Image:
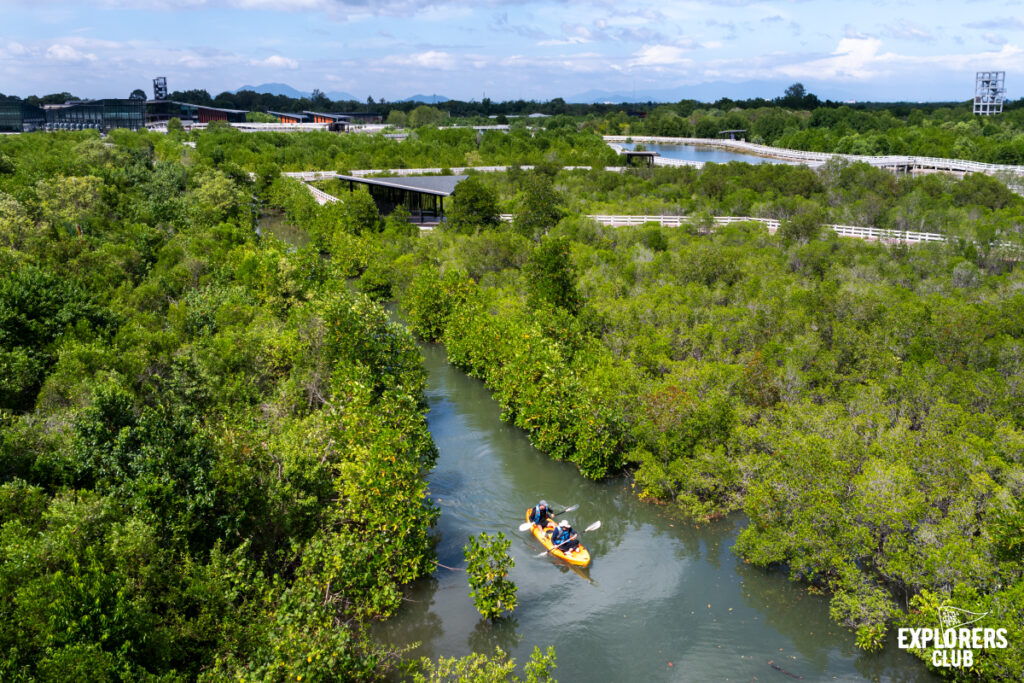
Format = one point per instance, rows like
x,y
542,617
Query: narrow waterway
x,y
703,153
661,601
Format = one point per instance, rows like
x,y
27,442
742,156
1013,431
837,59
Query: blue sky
x,y
531,50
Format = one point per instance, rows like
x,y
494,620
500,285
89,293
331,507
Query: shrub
x,y
488,563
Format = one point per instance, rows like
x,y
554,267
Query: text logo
x,y
953,645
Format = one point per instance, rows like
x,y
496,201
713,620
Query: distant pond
x,y
703,153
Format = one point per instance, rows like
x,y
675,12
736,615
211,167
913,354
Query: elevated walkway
x,y
904,164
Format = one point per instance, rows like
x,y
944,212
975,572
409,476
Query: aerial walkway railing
x,y
907,162
772,224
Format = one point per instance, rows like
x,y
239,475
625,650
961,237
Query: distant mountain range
x,y
335,95
768,89
289,91
702,92
426,99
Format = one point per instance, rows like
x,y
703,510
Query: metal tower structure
x,y
989,92
160,88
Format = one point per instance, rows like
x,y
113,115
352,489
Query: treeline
x,y
859,402
573,140
427,147
212,454
795,98
980,214
978,209
797,120
949,132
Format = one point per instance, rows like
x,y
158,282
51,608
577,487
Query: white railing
x,y
309,176
771,224
321,196
891,161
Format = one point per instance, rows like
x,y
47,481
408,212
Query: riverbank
x,y
664,600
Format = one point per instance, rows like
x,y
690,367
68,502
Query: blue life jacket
x,y
561,535
538,517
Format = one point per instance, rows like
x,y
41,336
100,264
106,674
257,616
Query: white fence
x,y
772,224
321,196
865,233
801,156
309,176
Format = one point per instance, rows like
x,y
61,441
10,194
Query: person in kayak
x,y
541,515
564,537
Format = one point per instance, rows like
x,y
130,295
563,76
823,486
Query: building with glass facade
x,y
96,114
17,117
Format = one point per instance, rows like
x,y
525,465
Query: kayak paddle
x,y
525,526
596,525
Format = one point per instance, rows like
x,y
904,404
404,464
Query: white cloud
x,y
660,55
65,53
204,60
549,66
431,59
993,38
860,59
15,48
277,62
273,5
335,9
911,31
854,58
87,43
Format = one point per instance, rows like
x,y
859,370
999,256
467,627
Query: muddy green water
x,y
273,222
661,601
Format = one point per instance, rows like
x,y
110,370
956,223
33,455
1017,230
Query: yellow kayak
x,y
579,556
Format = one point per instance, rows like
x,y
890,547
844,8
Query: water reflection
x,y
487,635
703,153
419,622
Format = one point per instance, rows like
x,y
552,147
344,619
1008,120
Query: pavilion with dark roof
x,y
643,156
422,196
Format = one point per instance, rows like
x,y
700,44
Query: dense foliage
x,y
427,147
979,209
860,402
191,410
212,455
487,567
479,668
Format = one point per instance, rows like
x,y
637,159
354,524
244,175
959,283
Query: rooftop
x,y
336,117
438,185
